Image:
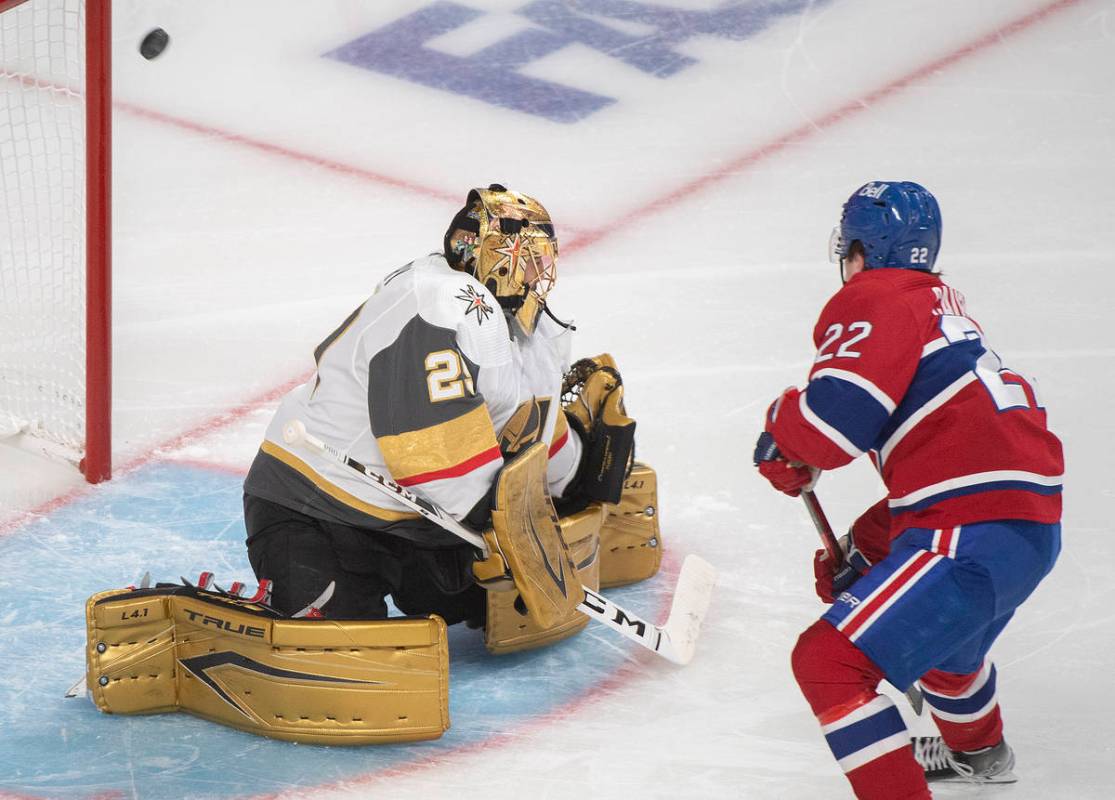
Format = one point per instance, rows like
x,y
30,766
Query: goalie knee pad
x,y
239,664
630,540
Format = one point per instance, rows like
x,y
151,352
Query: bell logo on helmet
x,y
874,190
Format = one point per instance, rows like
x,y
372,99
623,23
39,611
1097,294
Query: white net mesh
x,y
42,222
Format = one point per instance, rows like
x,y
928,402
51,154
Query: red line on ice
x,y
211,425
220,421
287,152
752,157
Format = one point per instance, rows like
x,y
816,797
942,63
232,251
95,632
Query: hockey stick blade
x,y
676,639
691,601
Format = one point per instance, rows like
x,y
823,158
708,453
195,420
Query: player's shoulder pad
x,y
457,301
866,297
449,299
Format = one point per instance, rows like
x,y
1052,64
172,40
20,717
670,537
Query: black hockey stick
x,y
676,640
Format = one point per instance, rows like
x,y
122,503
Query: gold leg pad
x,y
315,681
630,540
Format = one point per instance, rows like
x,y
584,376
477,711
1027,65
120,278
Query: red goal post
x,y
56,249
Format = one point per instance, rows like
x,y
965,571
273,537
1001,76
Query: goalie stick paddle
x,y
832,547
676,640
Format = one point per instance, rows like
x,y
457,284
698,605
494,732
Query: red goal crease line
x,y
734,167
270,148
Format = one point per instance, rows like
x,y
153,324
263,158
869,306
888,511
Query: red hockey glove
x,y
783,476
831,581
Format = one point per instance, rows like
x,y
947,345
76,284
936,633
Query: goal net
x,y
55,228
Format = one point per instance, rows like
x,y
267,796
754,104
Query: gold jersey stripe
x,y
439,447
334,491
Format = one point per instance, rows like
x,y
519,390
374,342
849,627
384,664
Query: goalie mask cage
x,y
55,229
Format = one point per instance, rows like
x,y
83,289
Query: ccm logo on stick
x,y
600,605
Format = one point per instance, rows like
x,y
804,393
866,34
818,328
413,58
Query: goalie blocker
x,y
598,545
608,545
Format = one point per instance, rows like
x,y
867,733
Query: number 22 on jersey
x,y
857,331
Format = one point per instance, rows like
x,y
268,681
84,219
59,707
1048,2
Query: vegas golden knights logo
x,y
525,426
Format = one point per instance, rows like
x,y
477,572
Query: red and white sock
x,y
965,707
863,728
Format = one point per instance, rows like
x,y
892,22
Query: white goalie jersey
x,y
424,383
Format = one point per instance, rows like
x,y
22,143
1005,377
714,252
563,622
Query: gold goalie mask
x,y
506,241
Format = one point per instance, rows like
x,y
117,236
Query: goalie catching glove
x,y
592,397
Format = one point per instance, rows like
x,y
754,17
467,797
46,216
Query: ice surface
x,y
262,189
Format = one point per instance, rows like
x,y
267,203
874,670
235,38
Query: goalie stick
x,y
832,547
676,640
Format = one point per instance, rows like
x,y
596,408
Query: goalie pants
x,y
929,610
302,554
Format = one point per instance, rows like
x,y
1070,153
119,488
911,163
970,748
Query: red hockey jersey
x,y
903,372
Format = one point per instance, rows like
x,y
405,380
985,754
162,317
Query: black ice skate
x,y
989,765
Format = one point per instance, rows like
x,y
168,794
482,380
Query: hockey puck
x,y
154,43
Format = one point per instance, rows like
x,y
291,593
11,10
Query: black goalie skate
x,y
989,765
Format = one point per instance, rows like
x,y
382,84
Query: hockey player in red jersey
x,y
971,521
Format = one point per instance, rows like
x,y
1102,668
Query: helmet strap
x,y
569,326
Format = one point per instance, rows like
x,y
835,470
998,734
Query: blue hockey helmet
x,y
898,222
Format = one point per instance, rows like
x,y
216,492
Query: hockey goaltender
x,y
445,422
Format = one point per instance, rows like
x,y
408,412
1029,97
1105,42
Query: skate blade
x,y
1003,777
